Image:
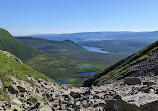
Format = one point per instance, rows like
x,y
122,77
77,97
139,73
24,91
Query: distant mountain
x,y
51,46
14,46
118,46
85,36
143,63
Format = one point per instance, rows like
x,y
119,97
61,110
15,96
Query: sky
x,y
24,17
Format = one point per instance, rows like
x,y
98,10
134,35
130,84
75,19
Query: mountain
x,y
14,46
144,62
86,36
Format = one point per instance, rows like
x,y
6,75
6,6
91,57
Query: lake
x,y
84,66
95,49
63,81
85,73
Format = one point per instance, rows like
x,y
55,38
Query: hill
x,y
12,45
140,64
66,46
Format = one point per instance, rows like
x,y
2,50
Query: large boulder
x,y
75,94
138,102
132,81
109,105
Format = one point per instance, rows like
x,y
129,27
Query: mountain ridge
x,y
85,36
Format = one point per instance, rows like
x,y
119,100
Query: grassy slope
x,y
62,67
10,67
12,45
119,69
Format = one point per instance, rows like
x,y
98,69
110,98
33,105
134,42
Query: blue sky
x,y
23,17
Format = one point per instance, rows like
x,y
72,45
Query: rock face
x,y
132,81
138,102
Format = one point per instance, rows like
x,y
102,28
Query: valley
x,y
61,60
54,79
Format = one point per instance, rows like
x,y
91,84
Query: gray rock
x,y
138,102
45,109
16,102
1,85
37,106
132,81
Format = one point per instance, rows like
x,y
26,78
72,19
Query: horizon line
x,y
85,32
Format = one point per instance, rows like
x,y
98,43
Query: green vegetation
x,y
120,69
71,80
12,45
62,67
52,65
10,67
3,95
66,46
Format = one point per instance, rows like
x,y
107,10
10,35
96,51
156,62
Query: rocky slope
x,y
121,95
143,63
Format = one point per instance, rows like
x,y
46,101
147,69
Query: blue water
x,y
95,49
86,73
63,81
84,66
